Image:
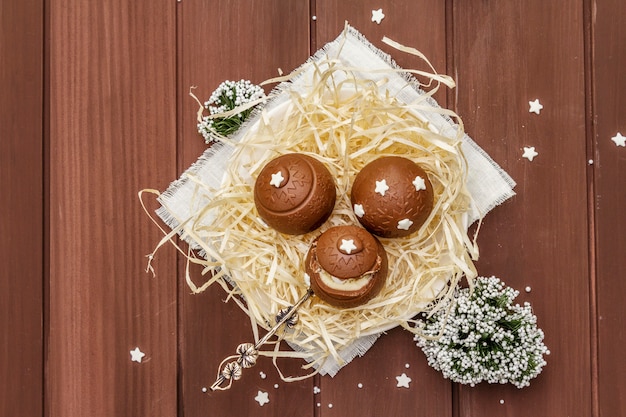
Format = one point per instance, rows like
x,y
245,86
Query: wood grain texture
x,y
418,24
120,119
229,41
429,393
507,54
609,105
112,133
21,208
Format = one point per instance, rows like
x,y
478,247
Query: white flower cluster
x,y
485,337
228,96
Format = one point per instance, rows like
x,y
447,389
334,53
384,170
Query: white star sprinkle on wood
x,y
419,183
136,355
358,210
404,224
619,139
381,187
535,106
262,398
529,153
277,179
377,16
403,381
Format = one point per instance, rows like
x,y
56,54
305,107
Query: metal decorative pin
x,y
247,353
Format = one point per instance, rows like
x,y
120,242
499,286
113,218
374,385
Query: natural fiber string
x,y
329,120
326,110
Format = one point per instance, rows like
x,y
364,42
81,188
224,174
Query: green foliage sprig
x,y
228,96
484,337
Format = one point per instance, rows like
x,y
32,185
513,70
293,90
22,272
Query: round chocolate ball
x,y
347,266
294,193
392,196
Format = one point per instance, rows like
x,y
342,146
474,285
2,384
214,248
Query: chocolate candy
x,y
392,196
347,266
294,193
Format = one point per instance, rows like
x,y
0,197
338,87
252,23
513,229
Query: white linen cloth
x,y
487,183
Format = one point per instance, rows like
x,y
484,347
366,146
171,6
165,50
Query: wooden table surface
x,y
95,107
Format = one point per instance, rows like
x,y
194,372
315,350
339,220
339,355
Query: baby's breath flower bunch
x,y
485,337
228,96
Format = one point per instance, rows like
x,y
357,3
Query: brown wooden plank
x,y
609,104
506,54
420,25
230,41
112,133
21,208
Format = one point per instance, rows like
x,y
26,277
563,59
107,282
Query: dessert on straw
x,y
345,121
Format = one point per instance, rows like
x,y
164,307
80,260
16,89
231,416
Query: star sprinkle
x,y
529,153
359,210
419,183
403,381
316,390
277,179
136,355
535,106
347,246
262,398
381,187
619,139
377,16
404,224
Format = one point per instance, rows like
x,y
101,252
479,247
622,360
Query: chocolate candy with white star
x,y
347,266
294,193
392,196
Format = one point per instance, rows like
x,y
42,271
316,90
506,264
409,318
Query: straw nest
x,y
345,121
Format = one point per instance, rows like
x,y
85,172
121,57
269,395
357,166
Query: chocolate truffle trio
x,y
346,266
